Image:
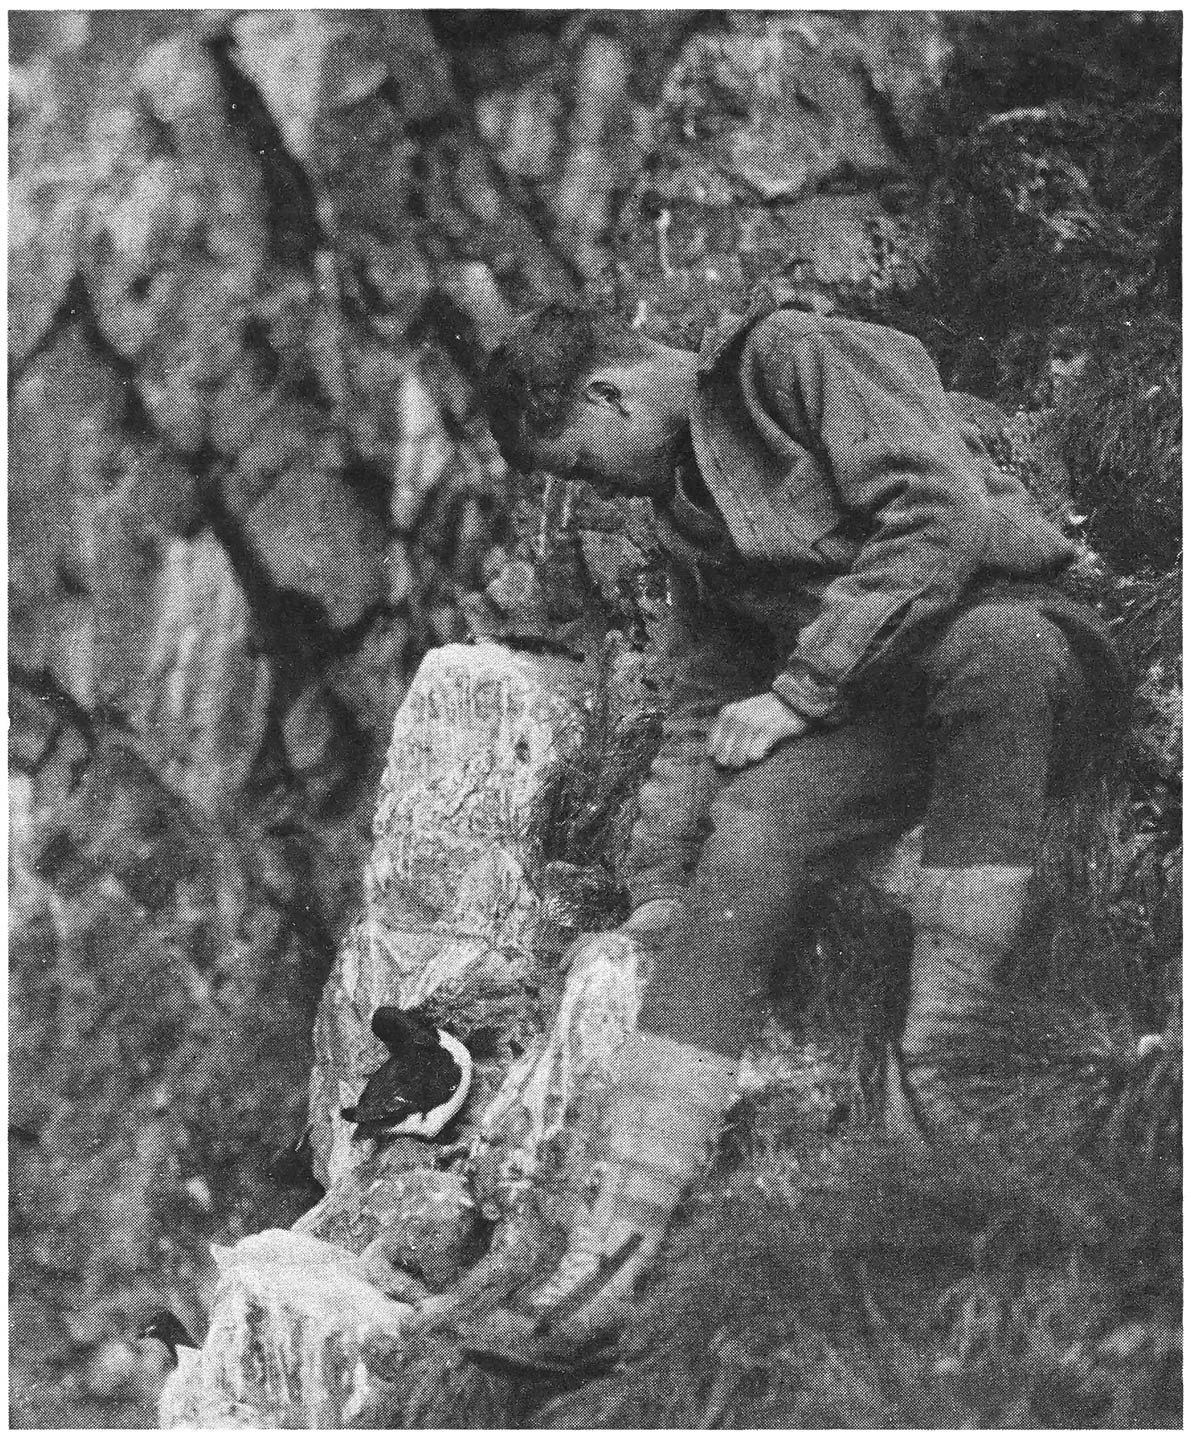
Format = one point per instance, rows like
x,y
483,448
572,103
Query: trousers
x,y
969,737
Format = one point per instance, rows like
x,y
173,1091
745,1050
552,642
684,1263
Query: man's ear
x,y
599,391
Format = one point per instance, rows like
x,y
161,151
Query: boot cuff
x,y
983,904
656,1064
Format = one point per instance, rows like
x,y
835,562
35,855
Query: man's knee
x,y
759,811
1004,657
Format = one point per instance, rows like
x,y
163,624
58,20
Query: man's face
x,y
624,435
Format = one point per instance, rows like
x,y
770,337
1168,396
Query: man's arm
x,y
669,829
870,403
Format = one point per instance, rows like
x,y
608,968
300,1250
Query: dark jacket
x,y
847,488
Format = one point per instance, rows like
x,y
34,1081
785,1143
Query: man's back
x,y
850,489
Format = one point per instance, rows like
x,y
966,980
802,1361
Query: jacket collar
x,y
731,325
718,337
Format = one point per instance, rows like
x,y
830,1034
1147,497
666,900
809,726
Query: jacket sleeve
x,y
869,403
670,828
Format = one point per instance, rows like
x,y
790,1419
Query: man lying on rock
x,y
870,638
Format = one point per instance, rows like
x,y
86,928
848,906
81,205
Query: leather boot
x,y
660,1126
966,922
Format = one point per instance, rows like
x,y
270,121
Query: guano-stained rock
x,y
292,1320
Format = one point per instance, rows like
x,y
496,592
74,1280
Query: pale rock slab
x,y
293,1318
531,1114
202,682
451,908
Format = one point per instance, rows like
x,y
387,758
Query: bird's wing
x,y
431,1076
385,1094
450,1090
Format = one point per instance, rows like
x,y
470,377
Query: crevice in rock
x,y
295,230
58,326
892,131
516,195
135,419
266,360
77,311
443,322
294,628
369,483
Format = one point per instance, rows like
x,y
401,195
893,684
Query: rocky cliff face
x,y
255,262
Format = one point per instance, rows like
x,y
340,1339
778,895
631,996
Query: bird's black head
x,y
167,1328
403,1029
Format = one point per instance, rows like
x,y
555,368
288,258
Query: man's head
x,y
577,391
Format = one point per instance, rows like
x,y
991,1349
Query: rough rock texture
x,y
785,156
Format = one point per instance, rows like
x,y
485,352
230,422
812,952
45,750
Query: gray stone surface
x,y
421,1221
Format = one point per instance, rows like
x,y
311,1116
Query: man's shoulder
x,y
788,326
766,343
794,347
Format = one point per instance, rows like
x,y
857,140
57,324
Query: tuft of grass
x,y
860,1287
1121,433
587,814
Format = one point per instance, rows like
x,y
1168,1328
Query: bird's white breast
x,y
427,1126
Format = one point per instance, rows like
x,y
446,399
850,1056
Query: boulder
x,y
293,1318
420,1221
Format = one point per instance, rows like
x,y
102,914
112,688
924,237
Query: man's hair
x,y
534,375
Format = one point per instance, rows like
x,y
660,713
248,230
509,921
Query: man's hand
x,y
747,730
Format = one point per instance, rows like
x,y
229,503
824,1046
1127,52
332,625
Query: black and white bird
x,y
419,1088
